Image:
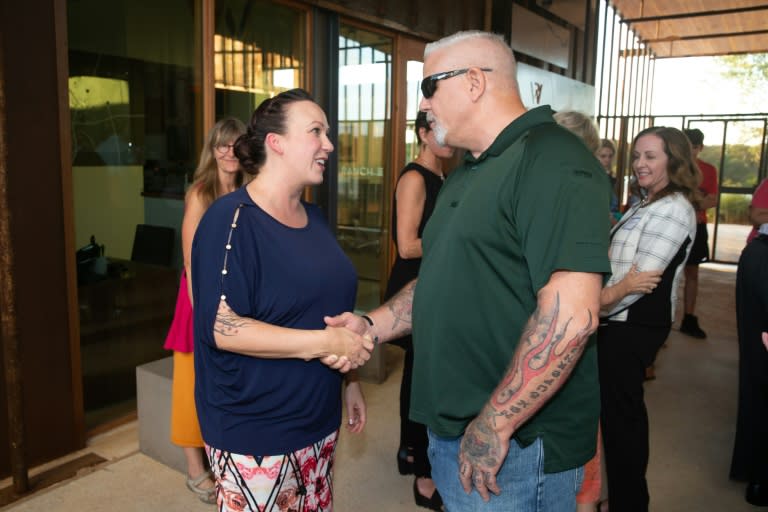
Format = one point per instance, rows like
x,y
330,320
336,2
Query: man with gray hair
x,y
508,294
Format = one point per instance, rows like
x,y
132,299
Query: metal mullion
x,y
626,30
616,54
720,189
647,85
632,85
651,78
640,83
208,67
604,11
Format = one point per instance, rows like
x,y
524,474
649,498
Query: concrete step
x,y
153,397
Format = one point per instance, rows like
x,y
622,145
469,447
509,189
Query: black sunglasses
x,y
429,84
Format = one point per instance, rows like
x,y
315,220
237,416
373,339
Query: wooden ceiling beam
x,y
707,36
697,14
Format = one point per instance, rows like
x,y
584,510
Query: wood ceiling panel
x,y
745,44
644,8
679,28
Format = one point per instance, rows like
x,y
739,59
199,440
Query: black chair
x,y
153,244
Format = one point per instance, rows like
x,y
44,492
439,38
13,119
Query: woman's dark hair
x,y
421,122
695,135
269,117
684,175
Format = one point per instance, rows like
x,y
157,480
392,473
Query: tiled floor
x,y
691,405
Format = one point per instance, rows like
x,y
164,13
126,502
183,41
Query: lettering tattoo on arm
x,y
401,307
543,361
227,322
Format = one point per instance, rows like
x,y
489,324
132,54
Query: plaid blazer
x,y
650,236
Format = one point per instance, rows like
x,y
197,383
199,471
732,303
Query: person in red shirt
x,y
700,249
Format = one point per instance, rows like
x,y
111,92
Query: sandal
x,y
434,502
204,494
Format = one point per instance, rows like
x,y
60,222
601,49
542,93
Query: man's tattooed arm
x,y
549,349
543,361
400,307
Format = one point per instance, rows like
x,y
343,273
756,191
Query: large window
x,y
134,100
259,51
735,147
365,64
136,107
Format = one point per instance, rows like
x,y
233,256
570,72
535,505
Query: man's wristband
x,y
370,323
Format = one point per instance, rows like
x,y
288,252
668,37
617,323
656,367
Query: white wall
x,y
108,205
556,90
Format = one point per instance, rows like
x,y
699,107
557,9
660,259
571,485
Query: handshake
x,y
350,342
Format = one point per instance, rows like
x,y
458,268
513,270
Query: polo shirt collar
x,y
513,131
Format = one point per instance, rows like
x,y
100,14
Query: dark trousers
x,y
412,435
750,451
623,353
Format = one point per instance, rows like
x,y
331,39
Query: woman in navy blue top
x,y
266,271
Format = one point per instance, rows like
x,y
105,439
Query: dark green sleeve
x,y
561,207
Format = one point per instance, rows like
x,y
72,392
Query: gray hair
x,y
496,40
459,37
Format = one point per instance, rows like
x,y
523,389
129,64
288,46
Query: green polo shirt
x,y
534,202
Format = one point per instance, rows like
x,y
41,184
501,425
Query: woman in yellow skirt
x,y
218,173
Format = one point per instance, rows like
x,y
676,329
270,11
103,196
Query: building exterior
x,y
103,109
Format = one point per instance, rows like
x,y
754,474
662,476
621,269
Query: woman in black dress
x,y
750,450
414,200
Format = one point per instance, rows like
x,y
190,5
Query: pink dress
x,y
180,335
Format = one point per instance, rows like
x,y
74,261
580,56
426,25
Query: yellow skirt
x,y
185,429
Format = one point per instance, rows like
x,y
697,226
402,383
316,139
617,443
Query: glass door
x,y
133,77
364,155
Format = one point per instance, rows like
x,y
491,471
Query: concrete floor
x,y
692,406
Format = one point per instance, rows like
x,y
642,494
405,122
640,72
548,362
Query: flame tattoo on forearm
x,y
543,361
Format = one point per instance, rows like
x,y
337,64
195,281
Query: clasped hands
x,y
350,343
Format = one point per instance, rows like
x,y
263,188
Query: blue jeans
x,y
524,485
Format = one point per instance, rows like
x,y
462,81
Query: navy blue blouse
x,y
290,277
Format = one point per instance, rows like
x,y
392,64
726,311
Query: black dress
x,y
404,271
750,451
412,435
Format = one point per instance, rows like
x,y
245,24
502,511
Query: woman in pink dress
x,y
218,173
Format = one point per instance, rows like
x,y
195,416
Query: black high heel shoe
x,y
404,466
434,502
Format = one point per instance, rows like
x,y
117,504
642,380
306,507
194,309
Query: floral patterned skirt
x,y
300,481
